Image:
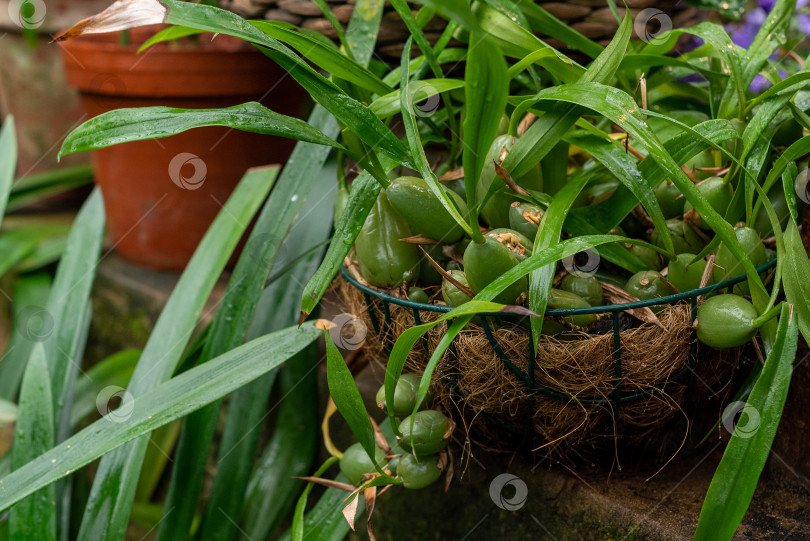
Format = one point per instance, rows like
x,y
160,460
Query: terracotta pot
x,y
161,195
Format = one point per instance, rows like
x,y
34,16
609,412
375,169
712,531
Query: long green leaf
x,y
623,167
545,22
8,161
346,110
620,108
290,452
68,298
228,330
303,170
34,518
325,521
348,401
415,143
608,214
34,188
796,269
30,320
113,489
485,91
277,309
516,41
547,130
361,198
115,371
388,105
139,124
562,118
325,57
733,484
297,529
157,407
770,37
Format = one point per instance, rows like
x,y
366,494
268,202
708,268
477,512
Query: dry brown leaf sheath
x,y
121,15
619,296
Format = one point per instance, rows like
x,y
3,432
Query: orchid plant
x,y
606,108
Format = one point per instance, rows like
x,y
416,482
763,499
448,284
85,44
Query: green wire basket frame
x,y
371,296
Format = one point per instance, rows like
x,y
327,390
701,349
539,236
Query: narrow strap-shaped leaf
x,y
344,392
33,188
789,85
550,25
547,130
325,57
770,37
289,453
361,198
722,47
796,269
325,522
608,214
228,330
455,10
347,110
548,234
733,484
138,124
8,161
18,244
69,296
277,309
620,109
515,41
623,167
115,370
644,61
297,528
415,142
388,105
30,296
111,497
485,91
34,518
157,407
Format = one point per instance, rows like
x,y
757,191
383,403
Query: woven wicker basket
x,y
592,18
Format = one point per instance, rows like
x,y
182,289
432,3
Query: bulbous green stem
x,y
767,316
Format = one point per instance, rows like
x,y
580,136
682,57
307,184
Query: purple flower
x,y
767,5
760,83
743,34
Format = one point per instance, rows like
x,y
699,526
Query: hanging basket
x,y
592,18
621,381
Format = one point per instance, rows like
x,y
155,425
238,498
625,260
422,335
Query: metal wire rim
x,y
605,309
614,309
